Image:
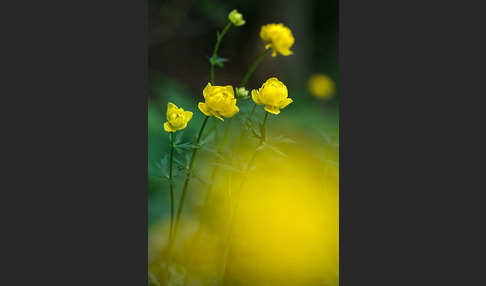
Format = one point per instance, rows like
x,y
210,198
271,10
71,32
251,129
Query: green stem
x,y
252,68
183,196
232,221
171,188
215,51
237,145
206,203
212,127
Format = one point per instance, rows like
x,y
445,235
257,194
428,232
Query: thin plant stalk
x,y
237,203
171,187
215,168
206,203
183,196
215,51
253,67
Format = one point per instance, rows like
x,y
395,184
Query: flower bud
x,y
241,93
177,118
273,94
219,101
236,18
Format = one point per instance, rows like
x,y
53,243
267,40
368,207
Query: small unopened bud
x,y
236,18
241,93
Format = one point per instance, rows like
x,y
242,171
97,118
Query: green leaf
x,y
255,133
228,167
208,138
218,61
277,150
178,137
220,156
281,139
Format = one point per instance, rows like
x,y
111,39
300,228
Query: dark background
x,y
182,35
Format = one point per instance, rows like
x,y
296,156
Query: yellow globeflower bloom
x,y
219,101
321,86
177,118
273,94
236,18
279,37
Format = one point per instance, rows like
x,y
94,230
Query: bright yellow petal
x,y
204,108
217,115
285,102
168,127
170,109
232,112
230,89
255,95
272,109
183,126
207,89
188,115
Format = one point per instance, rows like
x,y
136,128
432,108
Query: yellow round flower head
x,y
321,86
236,18
177,118
279,37
219,101
273,94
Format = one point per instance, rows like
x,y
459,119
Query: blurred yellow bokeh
x,y
321,86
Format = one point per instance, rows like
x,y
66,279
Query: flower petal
x,y
170,109
168,127
204,108
272,109
255,95
217,115
232,112
285,102
230,90
188,115
207,90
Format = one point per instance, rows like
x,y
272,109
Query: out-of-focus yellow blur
x,y
287,225
321,86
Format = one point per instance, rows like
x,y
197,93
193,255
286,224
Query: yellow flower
x,y
321,86
273,94
177,118
279,37
236,18
219,101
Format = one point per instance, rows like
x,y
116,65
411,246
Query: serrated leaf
x,y
178,138
277,150
202,179
281,139
207,139
158,176
187,145
220,156
228,167
261,147
219,61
